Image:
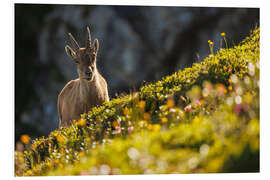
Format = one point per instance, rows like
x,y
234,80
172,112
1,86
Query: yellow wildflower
x,y
164,120
170,103
33,146
25,139
29,172
156,127
223,34
126,111
62,151
82,122
141,104
146,116
202,102
56,161
115,124
221,89
60,139
81,154
182,114
150,127
49,164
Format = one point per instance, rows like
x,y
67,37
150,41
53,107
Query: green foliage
x,y
202,119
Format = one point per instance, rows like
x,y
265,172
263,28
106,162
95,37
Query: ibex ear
x,y
96,45
70,52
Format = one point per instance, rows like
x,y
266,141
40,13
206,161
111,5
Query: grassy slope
x,y
202,119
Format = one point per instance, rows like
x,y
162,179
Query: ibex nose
x,y
88,73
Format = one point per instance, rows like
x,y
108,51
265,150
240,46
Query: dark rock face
x,y
136,44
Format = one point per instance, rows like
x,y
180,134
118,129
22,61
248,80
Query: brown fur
x,y
80,95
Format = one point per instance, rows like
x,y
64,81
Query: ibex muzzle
x,y
89,90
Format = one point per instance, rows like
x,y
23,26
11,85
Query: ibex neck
x,y
88,87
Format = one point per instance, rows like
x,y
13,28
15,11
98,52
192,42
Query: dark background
x,y
137,44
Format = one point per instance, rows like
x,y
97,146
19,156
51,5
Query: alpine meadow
x,y
201,119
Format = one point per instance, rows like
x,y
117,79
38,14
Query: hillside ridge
x,y
200,119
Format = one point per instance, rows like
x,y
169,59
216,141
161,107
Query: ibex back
x,y
89,90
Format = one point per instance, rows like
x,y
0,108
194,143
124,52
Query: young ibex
x,y
89,90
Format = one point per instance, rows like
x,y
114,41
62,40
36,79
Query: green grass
x,y
201,119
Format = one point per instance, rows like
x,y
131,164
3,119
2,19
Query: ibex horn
x,y
88,41
74,42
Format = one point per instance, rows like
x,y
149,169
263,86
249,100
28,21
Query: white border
x,y
198,3
7,85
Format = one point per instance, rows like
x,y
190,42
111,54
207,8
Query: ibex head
x,y
85,58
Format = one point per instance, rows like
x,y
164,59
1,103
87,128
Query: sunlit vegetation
x,y
201,119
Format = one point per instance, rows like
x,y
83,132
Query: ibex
x,y
89,90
